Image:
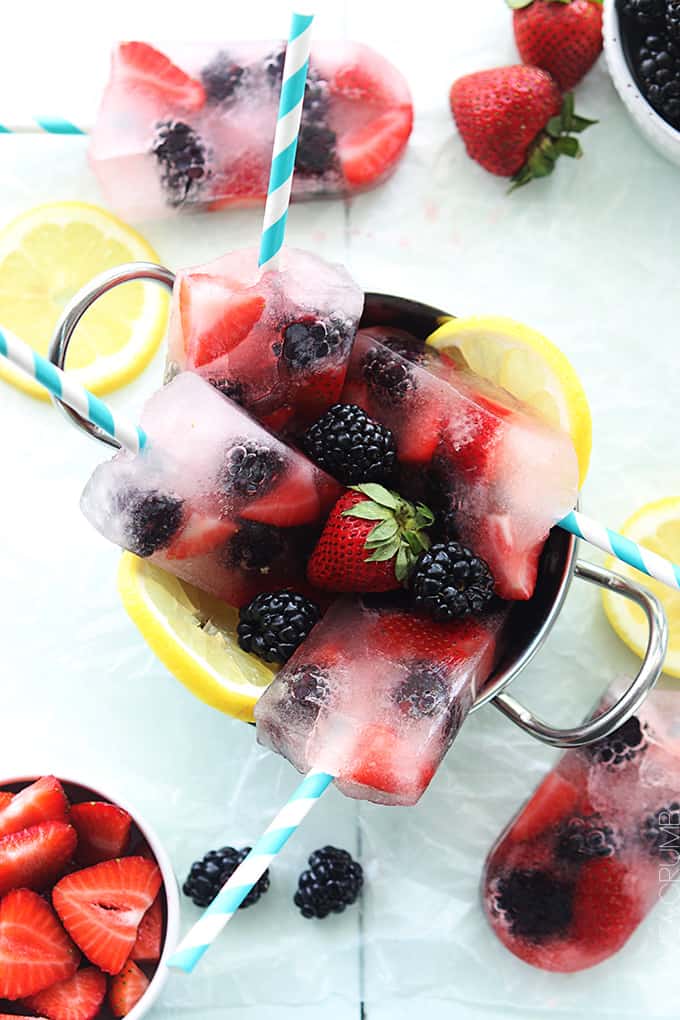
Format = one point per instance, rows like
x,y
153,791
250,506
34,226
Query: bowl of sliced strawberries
x,y
89,906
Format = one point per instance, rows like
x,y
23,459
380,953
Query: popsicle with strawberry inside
x,y
191,126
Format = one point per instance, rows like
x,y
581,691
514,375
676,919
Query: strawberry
x,y
552,801
42,801
378,762
35,951
359,83
77,998
606,911
152,71
5,799
35,857
564,37
292,501
150,934
370,542
17,1016
102,907
368,154
514,122
201,534
127,988
103,831
231,317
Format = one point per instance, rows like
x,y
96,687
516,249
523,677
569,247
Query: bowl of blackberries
x,y
642,47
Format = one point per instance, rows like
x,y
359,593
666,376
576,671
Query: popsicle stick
x,y
66,388
199,938
45,124
295,69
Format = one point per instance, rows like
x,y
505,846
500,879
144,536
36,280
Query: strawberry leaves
x,y
399,532
556,140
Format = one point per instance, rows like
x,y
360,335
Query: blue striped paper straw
x,y
65,387
635,555
285,140
42,125
231,896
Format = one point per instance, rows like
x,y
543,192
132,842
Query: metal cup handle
x,y
74,312
631,699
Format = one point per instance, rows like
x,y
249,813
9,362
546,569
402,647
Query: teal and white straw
x,y
44,124
635,555
285,140
224,906
64,387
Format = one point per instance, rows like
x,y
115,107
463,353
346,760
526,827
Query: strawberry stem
x,y
554,141
399,531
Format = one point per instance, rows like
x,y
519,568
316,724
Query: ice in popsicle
x,y
277,342
192,126
213,498
470,450
376,696
587,857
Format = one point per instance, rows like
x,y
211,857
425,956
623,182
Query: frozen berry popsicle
x,y
277,342
192,126
469,450
587,857
376,697
213,497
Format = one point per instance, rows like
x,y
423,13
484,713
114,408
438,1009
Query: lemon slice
x,y
194,635
50,252
656,526
528,366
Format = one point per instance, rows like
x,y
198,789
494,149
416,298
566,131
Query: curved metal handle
x,y
629,702
74,312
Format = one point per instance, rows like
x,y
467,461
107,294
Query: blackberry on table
x,y
644,13
308,686
660,833
310,340
255,546
150,519
388,376
221,78
331,883
250,469
533,904
583,838
449,581
658,65
621,746
207,876
352,447
182,160
423,693
274,624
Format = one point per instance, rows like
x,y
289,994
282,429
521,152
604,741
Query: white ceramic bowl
x,y
169,886
658,133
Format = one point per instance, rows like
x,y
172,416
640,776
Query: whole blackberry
x,y
582,838
332,882
150,519
274,624
388,376
221,78
232,388
311,340
533,904
255,546
181,157
449,581
308,687
643,12
208,875
673,19
423,693
352,447
659,69
661,833
250,469
621,746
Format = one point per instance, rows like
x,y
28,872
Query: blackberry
x,y
332,882
309,687
221,78
423,693
273,67
250,469
643,12
658,64
661,833
582,838
255,546
673,19
621,746
449,581
231,388
181,157
351,446
150,519
533,904
311,340
316,148
208,875
388,376
274,624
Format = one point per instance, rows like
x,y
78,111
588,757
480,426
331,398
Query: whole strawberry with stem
x,y
370,542
564,37
515,123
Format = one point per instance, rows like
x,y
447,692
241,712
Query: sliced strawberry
x,y
201,534
5,799
103,831
35,951
18,1016
316,394
552,802
42,801
214,320
77,998
102,907
153,71
377,762
358,83
127,988
243,182
418,442
293,500
150,935
277,421
35,857
606,910
515,567
370,152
